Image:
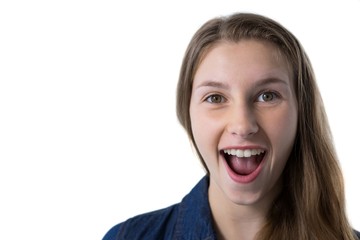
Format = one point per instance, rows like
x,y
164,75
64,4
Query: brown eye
x,y
266,97
215,99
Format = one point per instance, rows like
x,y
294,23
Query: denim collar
x,y
194,219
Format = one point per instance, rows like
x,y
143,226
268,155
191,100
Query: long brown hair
x,y
311,204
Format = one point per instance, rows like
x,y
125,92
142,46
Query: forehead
x,y
246,57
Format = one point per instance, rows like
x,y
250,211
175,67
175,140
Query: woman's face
x,y
243,114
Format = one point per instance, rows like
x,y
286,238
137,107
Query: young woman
x,y
248,99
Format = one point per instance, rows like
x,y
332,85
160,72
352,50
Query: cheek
x,y
197,127
200,127
205,130
282,130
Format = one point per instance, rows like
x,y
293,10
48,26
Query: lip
x,y
243,179
244,147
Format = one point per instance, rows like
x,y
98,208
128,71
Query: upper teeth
x,y
243,153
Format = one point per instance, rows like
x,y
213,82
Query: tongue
x,y
242,165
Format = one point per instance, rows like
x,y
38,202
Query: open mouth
x,y
243,162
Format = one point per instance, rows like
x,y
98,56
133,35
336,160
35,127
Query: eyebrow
x,y
271,80
221,85
215,84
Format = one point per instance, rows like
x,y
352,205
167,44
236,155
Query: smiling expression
x,y
243,112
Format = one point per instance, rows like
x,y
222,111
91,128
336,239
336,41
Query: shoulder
x,y
153,225
357,234
189,219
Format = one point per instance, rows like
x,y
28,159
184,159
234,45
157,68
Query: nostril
x,y
242,121
244,131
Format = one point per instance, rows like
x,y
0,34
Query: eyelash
x,y
274,95
222,99
208,98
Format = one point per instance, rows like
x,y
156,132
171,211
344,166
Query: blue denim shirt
x,y
189,219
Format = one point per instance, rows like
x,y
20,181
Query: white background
x,y
88,133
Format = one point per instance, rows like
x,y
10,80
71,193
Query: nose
x,y
242,122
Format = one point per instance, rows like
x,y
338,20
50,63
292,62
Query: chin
x,y
244,198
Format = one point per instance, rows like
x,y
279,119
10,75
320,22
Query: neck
x,y
237,220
